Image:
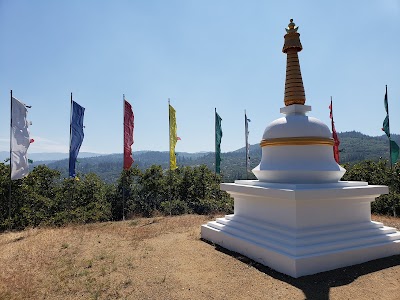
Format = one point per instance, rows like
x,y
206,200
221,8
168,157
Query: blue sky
x,y
201,54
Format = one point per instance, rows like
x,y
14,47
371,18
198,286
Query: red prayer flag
x,y
335,137
128,134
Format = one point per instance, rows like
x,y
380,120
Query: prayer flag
x,y
172,138
393,147
335,136
19,139
246,128
128,134
77,135
218,138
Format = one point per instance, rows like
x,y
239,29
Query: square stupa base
x,y
303,229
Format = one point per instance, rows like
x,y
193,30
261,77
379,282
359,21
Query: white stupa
x,y
298,217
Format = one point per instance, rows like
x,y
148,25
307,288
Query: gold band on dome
x,y
298,141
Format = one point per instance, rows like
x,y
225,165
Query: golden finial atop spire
x,y
294,89
291,27
292,38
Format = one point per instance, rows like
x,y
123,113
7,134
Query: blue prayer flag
x,y
76,135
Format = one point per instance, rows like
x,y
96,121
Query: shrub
x,y
174,207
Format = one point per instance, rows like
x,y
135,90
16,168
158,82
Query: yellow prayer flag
x,y
172,138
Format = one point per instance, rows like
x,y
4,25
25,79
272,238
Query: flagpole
x,y
390,144
169,131
246,141
331,114
169,172
123,159
215,140
9,187
123,126
390,157
69,154
391,194
70,132
332,122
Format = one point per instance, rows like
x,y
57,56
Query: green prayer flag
x,y
385,102
394,155
394,148
218,138
385,127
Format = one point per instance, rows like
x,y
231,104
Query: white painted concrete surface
x,y
298,218
302,230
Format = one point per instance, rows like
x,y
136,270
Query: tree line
x,y
44,198
354,147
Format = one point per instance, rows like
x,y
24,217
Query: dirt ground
x,y
164,258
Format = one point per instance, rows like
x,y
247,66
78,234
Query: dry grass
x,y
82,262
163,258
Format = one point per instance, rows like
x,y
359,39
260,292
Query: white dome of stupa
x,y
296,124
298,149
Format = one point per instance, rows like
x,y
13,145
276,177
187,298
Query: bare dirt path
x,y
164,258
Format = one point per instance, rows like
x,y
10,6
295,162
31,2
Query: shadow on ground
x,y
317,286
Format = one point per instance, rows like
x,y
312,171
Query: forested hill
x,y
354,147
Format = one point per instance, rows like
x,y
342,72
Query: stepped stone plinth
x,y
298,217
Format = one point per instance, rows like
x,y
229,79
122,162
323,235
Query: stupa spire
x,y
294,89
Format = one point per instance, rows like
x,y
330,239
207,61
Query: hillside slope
x,y
354,147
164,258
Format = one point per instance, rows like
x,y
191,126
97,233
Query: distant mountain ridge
x,y
50,156
354,147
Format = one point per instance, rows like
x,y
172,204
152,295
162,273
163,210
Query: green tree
x,y
378,173
153,190
81,200
128,183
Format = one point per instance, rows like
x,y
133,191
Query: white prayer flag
x,y
19,140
